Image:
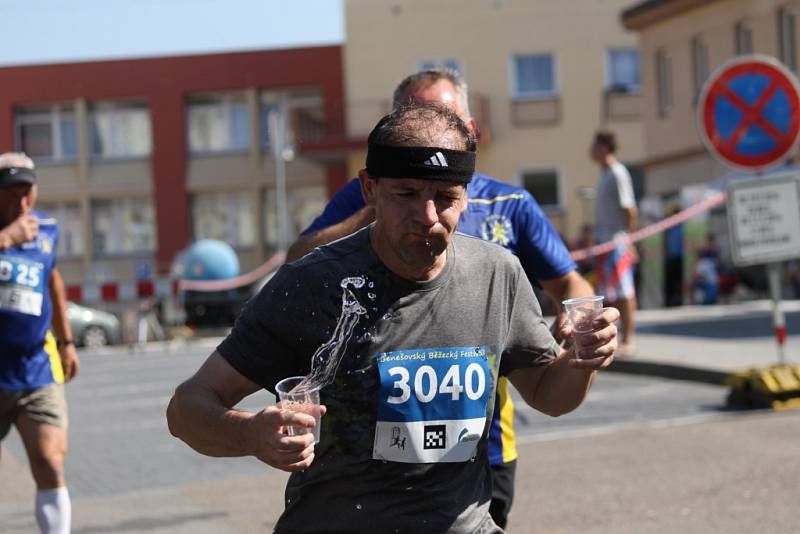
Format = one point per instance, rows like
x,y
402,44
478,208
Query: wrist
x,y
60,343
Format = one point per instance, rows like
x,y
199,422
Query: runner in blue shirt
x,y
33,364
497,212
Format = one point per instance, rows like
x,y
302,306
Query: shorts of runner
x,y
46,405
614,274
502,492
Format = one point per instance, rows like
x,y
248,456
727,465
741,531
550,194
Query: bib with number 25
x,y
432,404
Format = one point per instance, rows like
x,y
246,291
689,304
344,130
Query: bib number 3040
x,y
426,384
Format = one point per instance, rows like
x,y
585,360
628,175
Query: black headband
x,y
17,176
425,163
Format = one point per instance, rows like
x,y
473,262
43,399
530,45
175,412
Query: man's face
x,y
415,220
16,200
598,152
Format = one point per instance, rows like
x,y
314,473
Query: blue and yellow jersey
x,y
503,214
28,358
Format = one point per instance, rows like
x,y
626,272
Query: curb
x,y
668,370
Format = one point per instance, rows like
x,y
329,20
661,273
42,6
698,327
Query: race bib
x,y
21,285
432,404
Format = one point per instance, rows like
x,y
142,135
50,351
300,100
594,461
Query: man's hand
x,y
23,229
273,447
598,346
69,361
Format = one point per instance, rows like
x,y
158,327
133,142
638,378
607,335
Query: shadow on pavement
x,y
144,523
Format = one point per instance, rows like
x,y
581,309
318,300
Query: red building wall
x,y
164,83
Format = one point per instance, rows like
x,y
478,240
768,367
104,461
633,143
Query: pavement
x,y
693,343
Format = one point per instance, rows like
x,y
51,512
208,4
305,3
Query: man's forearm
x,y
58,297
569,286
631,219
307,243
198,417
556,389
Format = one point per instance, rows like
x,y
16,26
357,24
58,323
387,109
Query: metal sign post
x,y
749,118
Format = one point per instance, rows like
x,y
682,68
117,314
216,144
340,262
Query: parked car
x,y
93,328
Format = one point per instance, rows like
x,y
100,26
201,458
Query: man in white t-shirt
x,y
615,214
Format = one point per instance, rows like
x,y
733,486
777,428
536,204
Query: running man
x,y
446,315
497,212
34,365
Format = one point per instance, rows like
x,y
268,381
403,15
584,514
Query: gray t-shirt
x,y
404,442
614,192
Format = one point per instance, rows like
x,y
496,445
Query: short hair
x,y
415,125
607,139
15,159
426,78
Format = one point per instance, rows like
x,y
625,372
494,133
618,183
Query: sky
x,y
60,31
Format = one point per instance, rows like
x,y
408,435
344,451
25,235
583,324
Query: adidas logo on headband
x,y
437,160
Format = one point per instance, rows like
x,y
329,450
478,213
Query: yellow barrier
x,y
776,387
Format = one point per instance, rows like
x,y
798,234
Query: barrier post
x,y
774,276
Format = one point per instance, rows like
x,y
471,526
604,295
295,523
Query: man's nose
x,y
426,214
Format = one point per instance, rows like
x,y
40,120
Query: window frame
x,y
125,253
741,30
237,244
608,82
519,176
116,106
700,66
54,119
664,93
787,52
533,95
227,100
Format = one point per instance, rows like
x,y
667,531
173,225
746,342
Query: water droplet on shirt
x,y
358,507
371,296
371,284
286,293
386,316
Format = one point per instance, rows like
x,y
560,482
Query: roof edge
x,y
650,12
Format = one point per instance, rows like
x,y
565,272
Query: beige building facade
x,y
543,77
681,43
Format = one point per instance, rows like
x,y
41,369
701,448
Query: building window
x,y
123,226
743,39
664,82
534,75
623,69
227,216
699,65
786,38
447,63
218,123
305,119
70,227
47,132
303,205
119,130
544,186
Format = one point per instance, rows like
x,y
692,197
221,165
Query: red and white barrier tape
x,y
673,220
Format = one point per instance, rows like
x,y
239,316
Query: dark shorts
x,y
502,492
46,405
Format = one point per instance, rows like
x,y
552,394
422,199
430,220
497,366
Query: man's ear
x,y
367,187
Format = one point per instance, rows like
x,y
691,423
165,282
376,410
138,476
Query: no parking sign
x,y
749,112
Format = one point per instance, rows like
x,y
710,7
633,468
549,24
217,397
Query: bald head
x,y
420,125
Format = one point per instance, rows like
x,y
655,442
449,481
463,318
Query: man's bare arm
x,y
23,229
306,243
631,218
61,326
201,413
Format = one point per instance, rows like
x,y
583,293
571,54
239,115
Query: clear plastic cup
x,y
581,312
302,399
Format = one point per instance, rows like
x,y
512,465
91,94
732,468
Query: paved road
x,y
119,441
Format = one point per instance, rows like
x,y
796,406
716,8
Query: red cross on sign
x,y
749,112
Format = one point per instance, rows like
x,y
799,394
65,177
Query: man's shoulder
x,y
482,251
334,252
486,187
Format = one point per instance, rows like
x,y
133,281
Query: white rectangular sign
x,y
764,218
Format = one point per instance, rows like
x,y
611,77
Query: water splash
x,y
327,357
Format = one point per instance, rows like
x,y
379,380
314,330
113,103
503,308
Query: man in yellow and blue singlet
x,y
33,364
497,212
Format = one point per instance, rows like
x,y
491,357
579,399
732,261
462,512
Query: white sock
x,y
53,511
